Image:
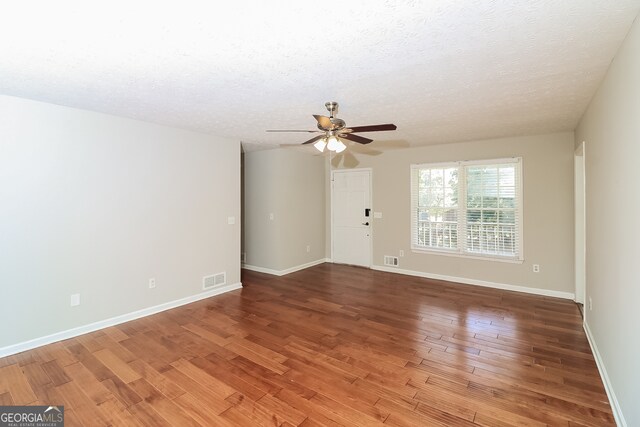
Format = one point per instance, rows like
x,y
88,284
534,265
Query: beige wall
x,y
98,205
548,211
611,131
291,186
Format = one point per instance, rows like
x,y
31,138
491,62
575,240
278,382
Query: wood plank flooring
x,y
330,345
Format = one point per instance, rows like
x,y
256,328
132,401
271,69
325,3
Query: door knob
x,y
365,223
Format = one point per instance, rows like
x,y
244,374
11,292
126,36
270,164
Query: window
x,y
468,208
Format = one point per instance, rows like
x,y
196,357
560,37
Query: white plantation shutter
x,y
492,208
435,206
468,208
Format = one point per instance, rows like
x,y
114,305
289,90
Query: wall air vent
x,y
214,280
391,260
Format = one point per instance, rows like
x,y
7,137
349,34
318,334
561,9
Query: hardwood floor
x,y
330,345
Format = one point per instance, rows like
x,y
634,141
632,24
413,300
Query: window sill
x,y
459,255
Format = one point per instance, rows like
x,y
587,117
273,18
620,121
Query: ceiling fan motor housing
x,y
336,125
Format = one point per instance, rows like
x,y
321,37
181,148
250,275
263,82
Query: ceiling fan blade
x,y
373,128
325,122
314,139
289,130
356,138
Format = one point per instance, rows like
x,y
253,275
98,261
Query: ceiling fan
x,y
332,129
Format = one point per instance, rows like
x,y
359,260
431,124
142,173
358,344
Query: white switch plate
x,y
377,215
231,220
271,216
401,253
152,283
75,300
536,268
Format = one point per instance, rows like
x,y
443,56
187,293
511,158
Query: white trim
x,y
461,223
483,283
435,165
580,223
466,255
504,160
101,324
287,270
608,387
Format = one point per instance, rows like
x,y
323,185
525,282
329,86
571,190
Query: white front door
x,y
351,217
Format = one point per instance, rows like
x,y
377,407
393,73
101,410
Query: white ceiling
x,y
442,71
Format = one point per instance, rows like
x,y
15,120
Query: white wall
x,y
291,186
611,130
97,205
548,212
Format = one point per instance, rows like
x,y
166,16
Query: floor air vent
x,y
391,260
214,280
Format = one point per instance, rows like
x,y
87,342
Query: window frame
x,y
460,250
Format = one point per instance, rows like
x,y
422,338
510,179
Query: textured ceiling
x,y
442,71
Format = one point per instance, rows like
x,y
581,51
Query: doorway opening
x,y
580,224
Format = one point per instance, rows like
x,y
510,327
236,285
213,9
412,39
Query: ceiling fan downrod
x,y
332,107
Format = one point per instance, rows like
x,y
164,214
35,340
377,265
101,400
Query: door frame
x,y
370,170
580,224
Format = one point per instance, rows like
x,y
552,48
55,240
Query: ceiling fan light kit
x,y
335,128
340,147
331,143
320,145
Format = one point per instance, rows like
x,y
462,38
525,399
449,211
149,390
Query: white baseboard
x,y
467,281
80,330
613,400
286,271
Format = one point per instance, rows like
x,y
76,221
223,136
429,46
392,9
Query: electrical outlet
x,y
590,304
536,268
308,248
75,300
152,283
401,253
271,216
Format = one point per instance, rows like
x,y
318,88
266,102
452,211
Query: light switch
x,y
231,220
377,214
